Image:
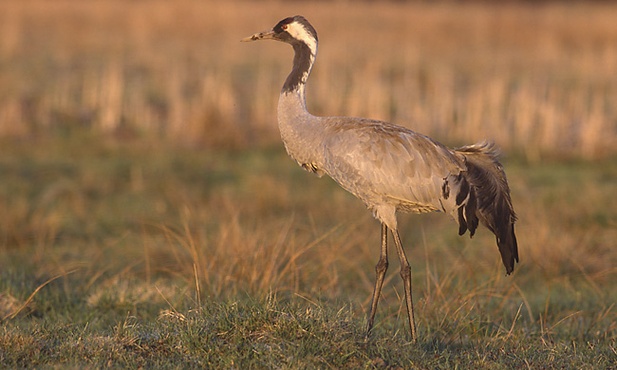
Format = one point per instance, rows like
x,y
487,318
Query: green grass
x,y
136,253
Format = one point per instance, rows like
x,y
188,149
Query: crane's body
x,y
389,167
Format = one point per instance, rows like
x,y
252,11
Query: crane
x,y
391,168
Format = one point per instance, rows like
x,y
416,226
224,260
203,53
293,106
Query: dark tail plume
x,y
489,199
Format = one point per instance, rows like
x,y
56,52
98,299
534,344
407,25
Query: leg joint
x,y
381,266
406,272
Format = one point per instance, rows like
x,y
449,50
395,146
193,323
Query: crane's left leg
x,y
380,270
406,275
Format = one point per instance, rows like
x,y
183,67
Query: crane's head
x,y
292,30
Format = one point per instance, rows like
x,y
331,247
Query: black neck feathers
x,y
303,60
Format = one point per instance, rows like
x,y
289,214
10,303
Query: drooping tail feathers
x,y
488,199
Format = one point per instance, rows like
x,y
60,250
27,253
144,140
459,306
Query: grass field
x,y
149,216
149,255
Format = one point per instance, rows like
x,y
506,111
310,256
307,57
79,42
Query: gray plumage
x,y
389,167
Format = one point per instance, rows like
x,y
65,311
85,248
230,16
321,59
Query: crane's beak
x,y
259,36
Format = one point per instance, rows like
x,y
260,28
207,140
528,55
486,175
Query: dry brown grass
x,y
539,79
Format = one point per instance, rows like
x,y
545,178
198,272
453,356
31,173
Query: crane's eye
x,y
284,27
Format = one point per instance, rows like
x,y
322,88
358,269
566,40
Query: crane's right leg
x,y
380,269
406,276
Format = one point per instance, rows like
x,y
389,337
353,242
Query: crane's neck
x,y
304,57
299,129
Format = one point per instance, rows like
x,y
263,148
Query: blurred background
x,y
539,78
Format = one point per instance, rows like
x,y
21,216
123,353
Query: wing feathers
x,y
492,203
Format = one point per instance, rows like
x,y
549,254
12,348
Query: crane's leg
x,y
406,275
380,269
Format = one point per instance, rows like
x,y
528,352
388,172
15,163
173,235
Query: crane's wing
x,y
384,163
